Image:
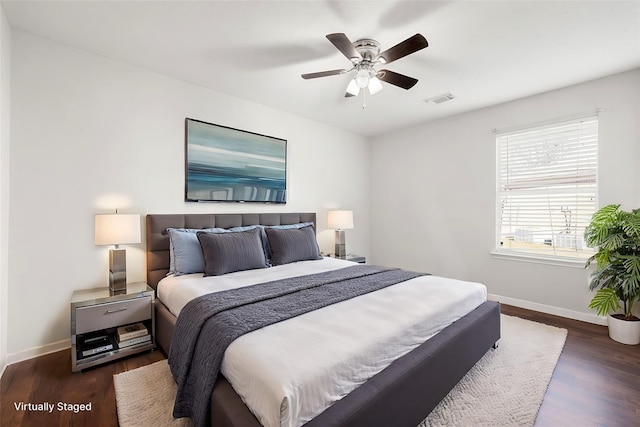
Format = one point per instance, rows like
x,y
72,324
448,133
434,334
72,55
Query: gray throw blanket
x,y
208,324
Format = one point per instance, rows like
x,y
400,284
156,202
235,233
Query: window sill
x,y
540,259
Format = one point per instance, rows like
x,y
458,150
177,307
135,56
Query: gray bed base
x,y
403,394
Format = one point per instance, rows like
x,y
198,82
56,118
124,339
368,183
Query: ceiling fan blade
x,y
348,95
344,45
402,49
323,74
400,80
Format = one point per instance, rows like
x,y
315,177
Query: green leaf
x,y
630,288
632,264
605,214
632,226
601,223
613,242
602,259
605,301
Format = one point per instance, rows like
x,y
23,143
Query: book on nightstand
x,y
128,332
134,341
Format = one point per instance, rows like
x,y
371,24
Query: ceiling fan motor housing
x,y
369,49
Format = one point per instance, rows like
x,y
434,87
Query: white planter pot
x,y
624,331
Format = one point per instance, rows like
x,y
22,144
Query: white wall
x,y
5,81
435,183
89,134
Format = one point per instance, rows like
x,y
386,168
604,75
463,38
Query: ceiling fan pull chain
x,y
364,96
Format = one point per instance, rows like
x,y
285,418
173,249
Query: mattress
x,y
289,372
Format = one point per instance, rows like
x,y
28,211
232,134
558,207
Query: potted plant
x,y
616,234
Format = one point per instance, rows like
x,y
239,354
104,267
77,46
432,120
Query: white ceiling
x,y
484,52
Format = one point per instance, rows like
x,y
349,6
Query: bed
x,y
401,394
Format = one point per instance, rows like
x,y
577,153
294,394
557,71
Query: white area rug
x,y
144,397
505,388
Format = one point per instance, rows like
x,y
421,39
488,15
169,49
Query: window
x,y
546,188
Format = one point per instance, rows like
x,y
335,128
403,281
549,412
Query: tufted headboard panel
x,y
158,239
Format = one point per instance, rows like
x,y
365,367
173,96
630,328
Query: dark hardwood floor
x,y
596,383
597,380
49,379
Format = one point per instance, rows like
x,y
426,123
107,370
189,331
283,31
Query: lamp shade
x,y
117,229
353,88
374,85
340,220
362,78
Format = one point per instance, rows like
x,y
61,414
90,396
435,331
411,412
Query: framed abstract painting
x,y
231,165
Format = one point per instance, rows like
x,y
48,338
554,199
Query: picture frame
x,y
223,164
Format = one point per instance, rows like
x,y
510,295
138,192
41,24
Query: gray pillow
x,y
228,252
292,244
267,249
185,253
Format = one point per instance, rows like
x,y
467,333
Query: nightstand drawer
x,y
109,315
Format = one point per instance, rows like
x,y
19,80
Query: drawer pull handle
x,y
115,311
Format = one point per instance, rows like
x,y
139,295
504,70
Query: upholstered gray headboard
x,y
158,239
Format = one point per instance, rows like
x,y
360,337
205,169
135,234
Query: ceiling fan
x,y
365,56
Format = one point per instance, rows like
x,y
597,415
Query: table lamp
x,y
340,221
117,229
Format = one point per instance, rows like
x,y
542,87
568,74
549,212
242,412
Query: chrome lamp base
x,y
117,270
341,247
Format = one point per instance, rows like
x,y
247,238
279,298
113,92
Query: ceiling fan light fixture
x,y
362,78
374,85
353,88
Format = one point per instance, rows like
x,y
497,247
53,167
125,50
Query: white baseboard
x,y
38,351
3,366
549,309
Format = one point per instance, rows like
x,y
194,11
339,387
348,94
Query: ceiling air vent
x,y
440,98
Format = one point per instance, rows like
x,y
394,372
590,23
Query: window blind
x,y
546,188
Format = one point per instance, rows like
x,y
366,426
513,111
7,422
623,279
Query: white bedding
x,y
289,372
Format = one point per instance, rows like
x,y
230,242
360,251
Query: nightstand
x,y
351,257
356,258
96,315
